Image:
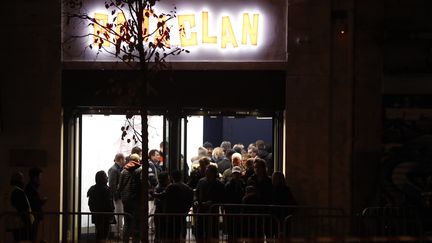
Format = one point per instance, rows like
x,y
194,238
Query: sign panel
x,y
211,31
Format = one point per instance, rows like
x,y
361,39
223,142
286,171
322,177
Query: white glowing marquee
x,y
213,30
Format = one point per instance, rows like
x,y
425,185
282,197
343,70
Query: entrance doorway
x,y
102,139
233,98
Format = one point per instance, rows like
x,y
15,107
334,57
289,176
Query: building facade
x,y
337,61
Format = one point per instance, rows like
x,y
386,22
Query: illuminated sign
x,y
213,31
249,29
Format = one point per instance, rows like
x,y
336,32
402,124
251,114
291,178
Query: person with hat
x,y
234,189
130,193
235,186
236,159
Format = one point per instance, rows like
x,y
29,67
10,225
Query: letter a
x,y
230,38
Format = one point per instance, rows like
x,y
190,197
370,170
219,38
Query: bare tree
x,y
127,37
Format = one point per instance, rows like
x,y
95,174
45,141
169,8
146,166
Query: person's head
x,y
119,159
136,150
236,159
202,152
211,172
154,155
134,157
218,153
238,148
34,175
278,179
163,178
251,145
252,151
176,176
236,172
245,157
161,146
17,179
229,154
209,147
250,163
260,144
203,162
225,145
260,167
101,178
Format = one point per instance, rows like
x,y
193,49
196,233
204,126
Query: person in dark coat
x,y
100,201
160,205
261,182
221,160
130,193
198,172
209,191
21,204
263,185
153,171
36,202
282,197
264,154
282,194
248,170
113,181
234,189
250,224
178,199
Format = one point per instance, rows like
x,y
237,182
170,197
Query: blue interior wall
x,y
213,130
237,130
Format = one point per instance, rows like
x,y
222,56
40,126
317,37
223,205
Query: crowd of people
x,y
229,175
225,174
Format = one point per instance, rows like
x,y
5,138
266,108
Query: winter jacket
x,y
268,157
113,180
130,183
264,188
100,200
223,164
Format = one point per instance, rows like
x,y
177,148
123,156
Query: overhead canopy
x,y
224,90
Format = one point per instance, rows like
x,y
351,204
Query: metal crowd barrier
x,y
215,227
314,217
245,223
77,227
278,209
58,227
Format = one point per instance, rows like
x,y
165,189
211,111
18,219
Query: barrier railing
x,y
277,209
248,224
58,226
215,227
